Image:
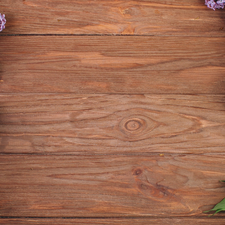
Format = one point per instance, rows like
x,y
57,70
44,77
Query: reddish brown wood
x,y
188,65
152,17
101,186
109,154
114,221
109,124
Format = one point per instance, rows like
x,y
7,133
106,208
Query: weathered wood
x,y
109,124
188,65
116,221
88,155
70,186
150,17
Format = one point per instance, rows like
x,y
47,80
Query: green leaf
x,y
219,207
222,181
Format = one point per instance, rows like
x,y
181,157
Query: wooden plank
x,y
115,221
140,17
71,186
189,65
109,124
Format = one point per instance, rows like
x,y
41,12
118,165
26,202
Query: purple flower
x,y
2,21
215,4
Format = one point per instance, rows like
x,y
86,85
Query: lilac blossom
x,y
2,21
215,4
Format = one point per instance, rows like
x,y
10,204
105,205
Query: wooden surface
x,y
110,124
111,112
112,221
116,221
112,64
136,17
98,186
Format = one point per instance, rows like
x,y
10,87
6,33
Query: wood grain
x,y
183,18
70,186
111,112
114,221
191,65
109,124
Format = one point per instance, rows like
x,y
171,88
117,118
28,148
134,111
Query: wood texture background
x,y
111,112
112,65
153,185
136,17
114,221
110,124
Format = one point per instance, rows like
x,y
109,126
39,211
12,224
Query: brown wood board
x,y
110,124
101,186
111,112
137,17
191,65
115,221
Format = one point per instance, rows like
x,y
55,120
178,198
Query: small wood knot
x,y
133,125
137,172
127,12
137,126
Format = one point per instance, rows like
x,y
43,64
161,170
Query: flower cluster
x,y
2,21
215,4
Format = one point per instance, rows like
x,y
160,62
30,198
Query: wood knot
x,y
133,124
136,127
129,12
137,172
